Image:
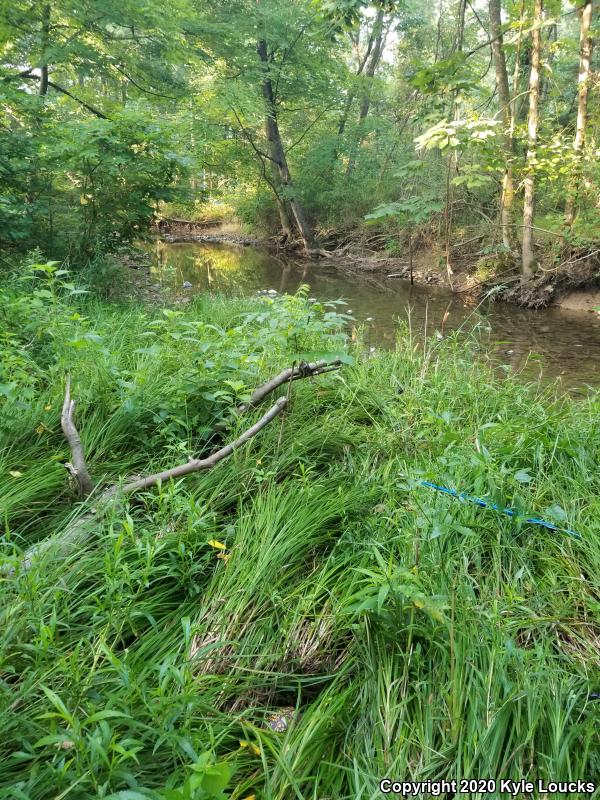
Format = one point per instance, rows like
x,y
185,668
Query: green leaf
x,y
523,476
216,777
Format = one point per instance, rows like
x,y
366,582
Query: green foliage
x,y
444,77
415,210
100,183
410,633
144,113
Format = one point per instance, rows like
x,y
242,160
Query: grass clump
x,y
311,577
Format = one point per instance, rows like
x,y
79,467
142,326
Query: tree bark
x,y
287,233
516,73
528,263
43,84
460,27
585,57
453,159
362,61
372,64
77,466
378,40
277,152
507,196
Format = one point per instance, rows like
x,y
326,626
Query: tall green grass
x,y
413,635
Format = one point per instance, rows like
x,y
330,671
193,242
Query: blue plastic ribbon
x,y
510,512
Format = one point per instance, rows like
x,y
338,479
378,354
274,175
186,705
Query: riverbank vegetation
x,y
443,122
307,617
224,570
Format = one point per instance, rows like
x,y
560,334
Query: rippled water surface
x,y
557,343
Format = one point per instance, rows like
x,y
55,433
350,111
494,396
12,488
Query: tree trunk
x,y
277,152
516,74
373,64
460,27
362,61
528,250
287,231
378,37
585,57
453,159
507,196
43,85
551,38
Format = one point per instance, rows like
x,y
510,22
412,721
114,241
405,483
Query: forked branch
x,y
294,373
198,464
78,530
77,466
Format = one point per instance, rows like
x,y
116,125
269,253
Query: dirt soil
x,y
574,285
585,300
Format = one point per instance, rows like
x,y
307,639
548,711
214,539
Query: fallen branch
x,y
304,370
77,466
468,241
76,532
197,464
318,252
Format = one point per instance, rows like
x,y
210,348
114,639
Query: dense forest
x,y
307,119
250,548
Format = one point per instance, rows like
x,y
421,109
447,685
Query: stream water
x,y
553,343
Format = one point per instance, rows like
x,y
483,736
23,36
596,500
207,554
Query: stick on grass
x,y
77,466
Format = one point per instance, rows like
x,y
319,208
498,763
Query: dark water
x,y
554,343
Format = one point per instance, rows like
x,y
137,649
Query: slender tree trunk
x,y
362,61
460,28
378,37
585,57
277,152
438,37
551,38
528,249
516,74
374,60
43,85
452,159
507,196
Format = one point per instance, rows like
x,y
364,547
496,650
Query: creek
x,y
553,343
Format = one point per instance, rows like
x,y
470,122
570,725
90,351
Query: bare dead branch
x,y
198,464
78,530
77,467
290,374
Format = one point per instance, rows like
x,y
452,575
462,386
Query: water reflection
x,y
562,344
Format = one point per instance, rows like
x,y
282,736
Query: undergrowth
x,y
310,579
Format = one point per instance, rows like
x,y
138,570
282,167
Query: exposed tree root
x,y
579,270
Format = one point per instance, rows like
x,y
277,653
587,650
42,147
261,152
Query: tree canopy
x,y
304,116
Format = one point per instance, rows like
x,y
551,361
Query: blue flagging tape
x,y
510,512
